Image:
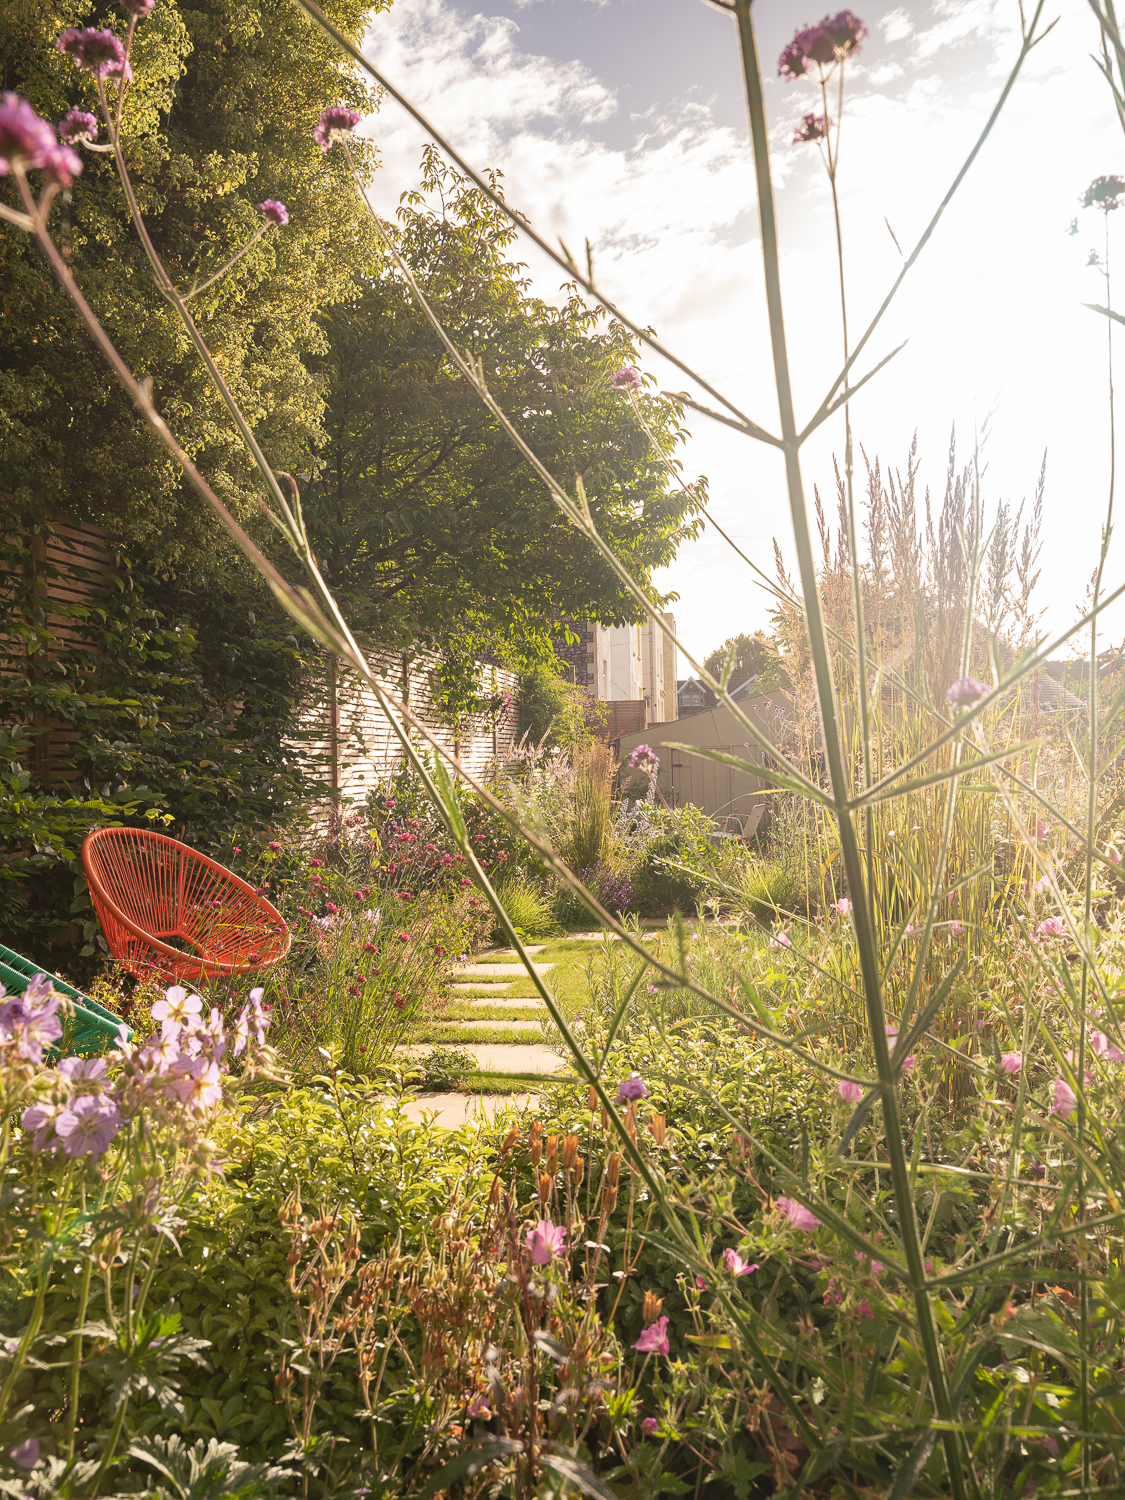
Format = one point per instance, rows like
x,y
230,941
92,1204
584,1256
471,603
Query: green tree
x,y
752,654
219,116
431,527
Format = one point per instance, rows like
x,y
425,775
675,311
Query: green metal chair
x,y
89,1028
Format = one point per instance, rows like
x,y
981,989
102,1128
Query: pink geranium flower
x,y
649,1426
654,1340
734,1263
1051,928
797,1214
1065,1101
1011,1062
850,1092
545,1241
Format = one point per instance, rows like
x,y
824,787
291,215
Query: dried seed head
x,y
613,1168
545,1184
657,1126
511,1140
650,1308
536,1144
579,1170
552,1154
569,1151
293,1258
605,1118
592,1099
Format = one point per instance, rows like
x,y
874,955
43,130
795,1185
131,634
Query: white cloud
x,y
994,304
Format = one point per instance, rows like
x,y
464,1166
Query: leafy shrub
x,y
670,854
551,712
591,812
442,1068
612,888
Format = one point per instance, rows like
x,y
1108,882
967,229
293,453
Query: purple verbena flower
x,y
846,31
138,8
627,378
797,1214
88,1125
61,164
1104,193
94,51
965,691
654,1340
77,125
545,1241
644,758
811,128
275,213
335,124
633,1087
24,137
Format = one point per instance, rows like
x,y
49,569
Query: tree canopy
x,y
219,116
426,518
752,654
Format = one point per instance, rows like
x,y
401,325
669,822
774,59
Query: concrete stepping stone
x,y
499,971
516,1057
486,1025
511,952
511,1004
475,989
450,1111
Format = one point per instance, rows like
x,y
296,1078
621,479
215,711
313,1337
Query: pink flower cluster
x,y
29,143
30,1022
822,46
83,1107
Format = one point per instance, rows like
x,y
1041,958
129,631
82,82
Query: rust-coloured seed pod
x,y
592,1098
605,1118
494,1193
658,1127
569,1151
609,1198
613,1168
552,1154
578,1171
650,1308
293,1258
545,1184
536,1150
631,1124
511,1140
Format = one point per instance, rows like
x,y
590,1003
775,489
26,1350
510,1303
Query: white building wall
x,y
618,663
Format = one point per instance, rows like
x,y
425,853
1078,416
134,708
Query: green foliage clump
x,y
670,853
527,907
552,713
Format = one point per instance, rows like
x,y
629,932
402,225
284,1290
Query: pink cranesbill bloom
x,y
197,1083
1011,1062
1065,1100
649,1426
177,1007
875,1266
850,1093
956,928
1103,1048
545,1241
39,1121
797,1214
25,1455
841,908
88,1125
1052,927
654,1340
780,940
734,1263
908,1064
864,1310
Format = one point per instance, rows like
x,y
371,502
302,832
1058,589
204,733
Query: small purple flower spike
x,y
24,137
94,51
276,213
628,378
965,691
62,165
77,125
811,128
335,124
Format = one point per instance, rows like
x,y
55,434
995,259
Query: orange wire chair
x,y
167,910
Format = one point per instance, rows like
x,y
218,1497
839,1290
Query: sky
x,y
623,121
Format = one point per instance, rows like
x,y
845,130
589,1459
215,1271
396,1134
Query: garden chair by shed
x,y
88,1028
169,912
